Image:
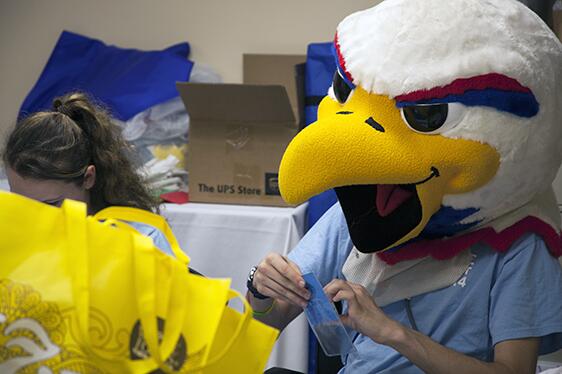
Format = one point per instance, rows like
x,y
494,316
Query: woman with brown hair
x,y
76,152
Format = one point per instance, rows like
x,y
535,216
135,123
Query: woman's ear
x,y
89,177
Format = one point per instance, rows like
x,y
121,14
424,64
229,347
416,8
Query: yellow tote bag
x,y
240,351
79,296
121,213
241,344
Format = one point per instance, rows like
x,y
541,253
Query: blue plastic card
x,y
325,321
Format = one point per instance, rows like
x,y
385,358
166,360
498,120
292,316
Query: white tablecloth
x,y
227,240
4,186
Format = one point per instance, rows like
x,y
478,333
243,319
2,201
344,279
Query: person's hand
x,y
363,315
280,278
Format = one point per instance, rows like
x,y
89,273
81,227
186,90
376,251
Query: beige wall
x,y
219,32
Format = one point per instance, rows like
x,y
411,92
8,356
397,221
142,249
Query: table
x,y
227,240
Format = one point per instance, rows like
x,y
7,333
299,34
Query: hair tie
x,y
264,312
57,104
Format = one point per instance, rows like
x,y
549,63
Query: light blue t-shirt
x,y
156,235
500,297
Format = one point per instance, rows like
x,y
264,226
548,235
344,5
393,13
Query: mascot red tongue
x,y
390,197
436,143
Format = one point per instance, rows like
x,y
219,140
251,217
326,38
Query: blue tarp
x,y
319,72
126,81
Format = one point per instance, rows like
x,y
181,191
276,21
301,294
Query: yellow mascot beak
x,y
389,178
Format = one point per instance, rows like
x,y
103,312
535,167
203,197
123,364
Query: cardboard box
x,y
283,70
237,136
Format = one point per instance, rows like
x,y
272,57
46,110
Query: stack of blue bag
x,y
127,81
319,72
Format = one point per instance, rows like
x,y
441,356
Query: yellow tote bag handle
x,y
77,255
242,324
177,309
145,292
142,216
144,284
178,295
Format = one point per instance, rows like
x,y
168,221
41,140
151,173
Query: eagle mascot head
x,y
442,127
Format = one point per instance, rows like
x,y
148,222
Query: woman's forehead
x,y
42,189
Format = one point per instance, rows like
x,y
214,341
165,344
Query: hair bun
x,y
57,103
76,106
65,106
60,106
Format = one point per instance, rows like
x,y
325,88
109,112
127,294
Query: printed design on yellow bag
x,y
138,348
103,337
32,332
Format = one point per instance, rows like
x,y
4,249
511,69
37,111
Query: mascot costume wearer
x,y
441,134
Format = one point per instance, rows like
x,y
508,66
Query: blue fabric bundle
x,y
127,81
320,69
319,72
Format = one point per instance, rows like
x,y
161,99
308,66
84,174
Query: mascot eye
x,y
341,89
432,118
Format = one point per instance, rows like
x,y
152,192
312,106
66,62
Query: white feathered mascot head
x,y
444,119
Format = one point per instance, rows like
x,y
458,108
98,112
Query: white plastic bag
x,y
167,122
164,176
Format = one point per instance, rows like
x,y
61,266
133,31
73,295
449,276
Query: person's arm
x,y
279,315
510,356
322,251
281,280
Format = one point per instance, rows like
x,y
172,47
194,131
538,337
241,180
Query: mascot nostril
x,y
447,223
374,124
